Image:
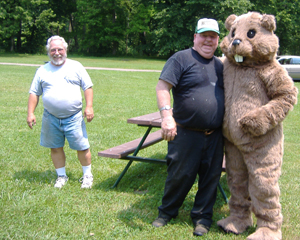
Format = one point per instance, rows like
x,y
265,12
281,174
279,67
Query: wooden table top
x,y
151,119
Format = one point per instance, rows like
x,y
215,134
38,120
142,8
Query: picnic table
x,y
123,151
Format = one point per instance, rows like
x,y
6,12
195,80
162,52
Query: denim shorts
x,y
55,130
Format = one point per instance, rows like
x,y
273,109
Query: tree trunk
x,y
12,41
19,40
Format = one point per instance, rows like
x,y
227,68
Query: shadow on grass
x,y
138,177
35,176
45,177
147,180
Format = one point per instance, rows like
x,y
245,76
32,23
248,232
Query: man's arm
x,y
168,125
32,103
89,112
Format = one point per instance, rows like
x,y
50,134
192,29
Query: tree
x,y
103,25
64,11
132,27
172,27
174,21
10,20
36,24
26,24
286,13
138,35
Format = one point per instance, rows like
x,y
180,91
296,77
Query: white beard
x,y
58,62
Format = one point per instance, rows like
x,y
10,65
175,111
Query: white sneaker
x,y
61,181
87,181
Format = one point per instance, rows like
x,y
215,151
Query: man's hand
x,y
32,103
89,114
31,121
168,124
169,128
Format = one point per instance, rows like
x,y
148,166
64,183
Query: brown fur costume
x,y
258,96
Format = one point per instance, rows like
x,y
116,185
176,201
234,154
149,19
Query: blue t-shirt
x,y
61,87
198,90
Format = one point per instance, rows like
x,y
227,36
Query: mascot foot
x,y
234,224
265,233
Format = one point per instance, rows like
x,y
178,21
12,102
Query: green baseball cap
x,y
207,24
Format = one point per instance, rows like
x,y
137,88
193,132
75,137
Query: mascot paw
x,y
253,125
234,224
265,233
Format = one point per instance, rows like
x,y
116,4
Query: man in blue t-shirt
x,y
193,127
60,82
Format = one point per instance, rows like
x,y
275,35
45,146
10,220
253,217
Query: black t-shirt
x,y
198,90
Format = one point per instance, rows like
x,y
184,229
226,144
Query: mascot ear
x,y
229,21
268,22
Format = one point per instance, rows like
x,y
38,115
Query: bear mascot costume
x,y
258,96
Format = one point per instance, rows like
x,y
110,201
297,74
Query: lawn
x,y
31,208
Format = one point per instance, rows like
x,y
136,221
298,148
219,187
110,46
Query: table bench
x,y
123,151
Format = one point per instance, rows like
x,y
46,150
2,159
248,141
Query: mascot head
x,y
251,40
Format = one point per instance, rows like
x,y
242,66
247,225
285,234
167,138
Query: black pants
x,y
189,154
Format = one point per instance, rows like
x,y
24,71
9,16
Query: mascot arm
x,y
282,94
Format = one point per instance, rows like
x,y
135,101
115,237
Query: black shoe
x,y
200,230
160,222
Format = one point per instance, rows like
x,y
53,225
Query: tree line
x,y
155,28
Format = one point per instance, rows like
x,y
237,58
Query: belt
x,y
205,131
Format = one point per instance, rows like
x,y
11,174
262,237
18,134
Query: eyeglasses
x,y
209,35
60,50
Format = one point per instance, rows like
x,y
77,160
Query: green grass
x,y
31,208
125,62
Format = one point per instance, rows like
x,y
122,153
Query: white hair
x,y
56,37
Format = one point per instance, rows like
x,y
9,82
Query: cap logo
x,y
207,24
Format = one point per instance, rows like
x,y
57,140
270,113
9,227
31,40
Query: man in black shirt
x,y
193,127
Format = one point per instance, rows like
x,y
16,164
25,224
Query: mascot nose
x,y
236,42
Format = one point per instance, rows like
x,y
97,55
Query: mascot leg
x,y
239,204
264,167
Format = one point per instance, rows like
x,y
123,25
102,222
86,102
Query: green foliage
x,y
287,20
131,27
138,38
31,208
104,24
26,25
173,28
9,20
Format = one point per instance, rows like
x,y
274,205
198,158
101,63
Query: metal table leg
x,y
134,154
223,193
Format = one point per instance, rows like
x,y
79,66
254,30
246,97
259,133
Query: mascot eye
x,y
251,33
233,34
